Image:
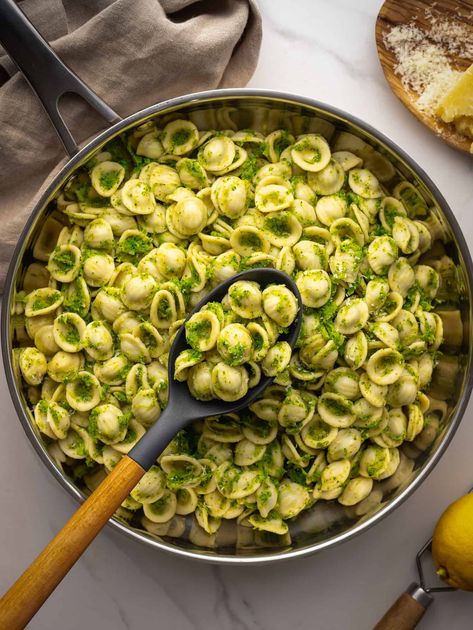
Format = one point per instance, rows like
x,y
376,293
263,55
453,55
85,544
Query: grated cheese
x,y
454,37
422,57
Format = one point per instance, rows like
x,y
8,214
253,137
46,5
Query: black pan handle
x,y
49,77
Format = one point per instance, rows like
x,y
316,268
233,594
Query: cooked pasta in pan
x,y
149,225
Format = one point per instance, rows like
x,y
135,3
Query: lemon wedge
x,y
458,101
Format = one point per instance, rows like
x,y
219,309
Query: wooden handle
x,y
34,586
404,614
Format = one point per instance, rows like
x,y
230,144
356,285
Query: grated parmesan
x,y
454,37
422,57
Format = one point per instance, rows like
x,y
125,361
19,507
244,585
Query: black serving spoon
x,y
35,585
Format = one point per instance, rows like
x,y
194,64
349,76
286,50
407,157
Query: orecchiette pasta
x,y
148,227
234,366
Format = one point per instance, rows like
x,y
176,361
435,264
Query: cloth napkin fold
x,y
133,53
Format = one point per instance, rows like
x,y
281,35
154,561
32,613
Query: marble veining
x,y
324,49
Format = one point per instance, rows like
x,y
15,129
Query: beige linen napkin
x,y
133,53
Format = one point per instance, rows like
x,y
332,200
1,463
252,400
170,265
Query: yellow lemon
x,y
452,544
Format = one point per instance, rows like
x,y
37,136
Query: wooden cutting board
x,y
395,12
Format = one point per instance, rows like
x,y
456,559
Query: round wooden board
x,y
395,12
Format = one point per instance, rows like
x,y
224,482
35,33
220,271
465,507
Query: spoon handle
x,y
174,418
34,586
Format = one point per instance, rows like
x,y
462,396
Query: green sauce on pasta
x,y
154,222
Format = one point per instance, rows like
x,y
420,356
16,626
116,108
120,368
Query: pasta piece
x,y
356,350
276,359
273,197
273,524
374,461
335,410
186,501
315,287
58,420
145,407
113,371
364,183
355,491
199,381
246,299
139,292
150,146
230,196
345,262
33,365
98,269
385,366
405,234
318,434
182,471
42,301
162,179
311,153
63,366
342,229
44,340
229,383
68,332
108,424
280,304
188,217
282,228
203,330
131,246
162,510
134,432
346,445
180,137
377,290
347,159
352,316
108,305
83,393
98,341
248,453
327,181
330,208
106,177
343,381
235,483
98,235
64,263
235,344
375,394
382,252
217,154
335,475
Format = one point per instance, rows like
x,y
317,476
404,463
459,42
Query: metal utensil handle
x,y
49,77
407,610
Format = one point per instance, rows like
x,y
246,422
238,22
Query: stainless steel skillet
x,y
327,525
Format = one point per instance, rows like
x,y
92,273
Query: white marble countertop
x,y
324,49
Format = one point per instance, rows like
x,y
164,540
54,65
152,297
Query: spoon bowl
x,y
182,408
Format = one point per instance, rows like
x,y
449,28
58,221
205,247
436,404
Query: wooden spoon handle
x,y
406,611
34,586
